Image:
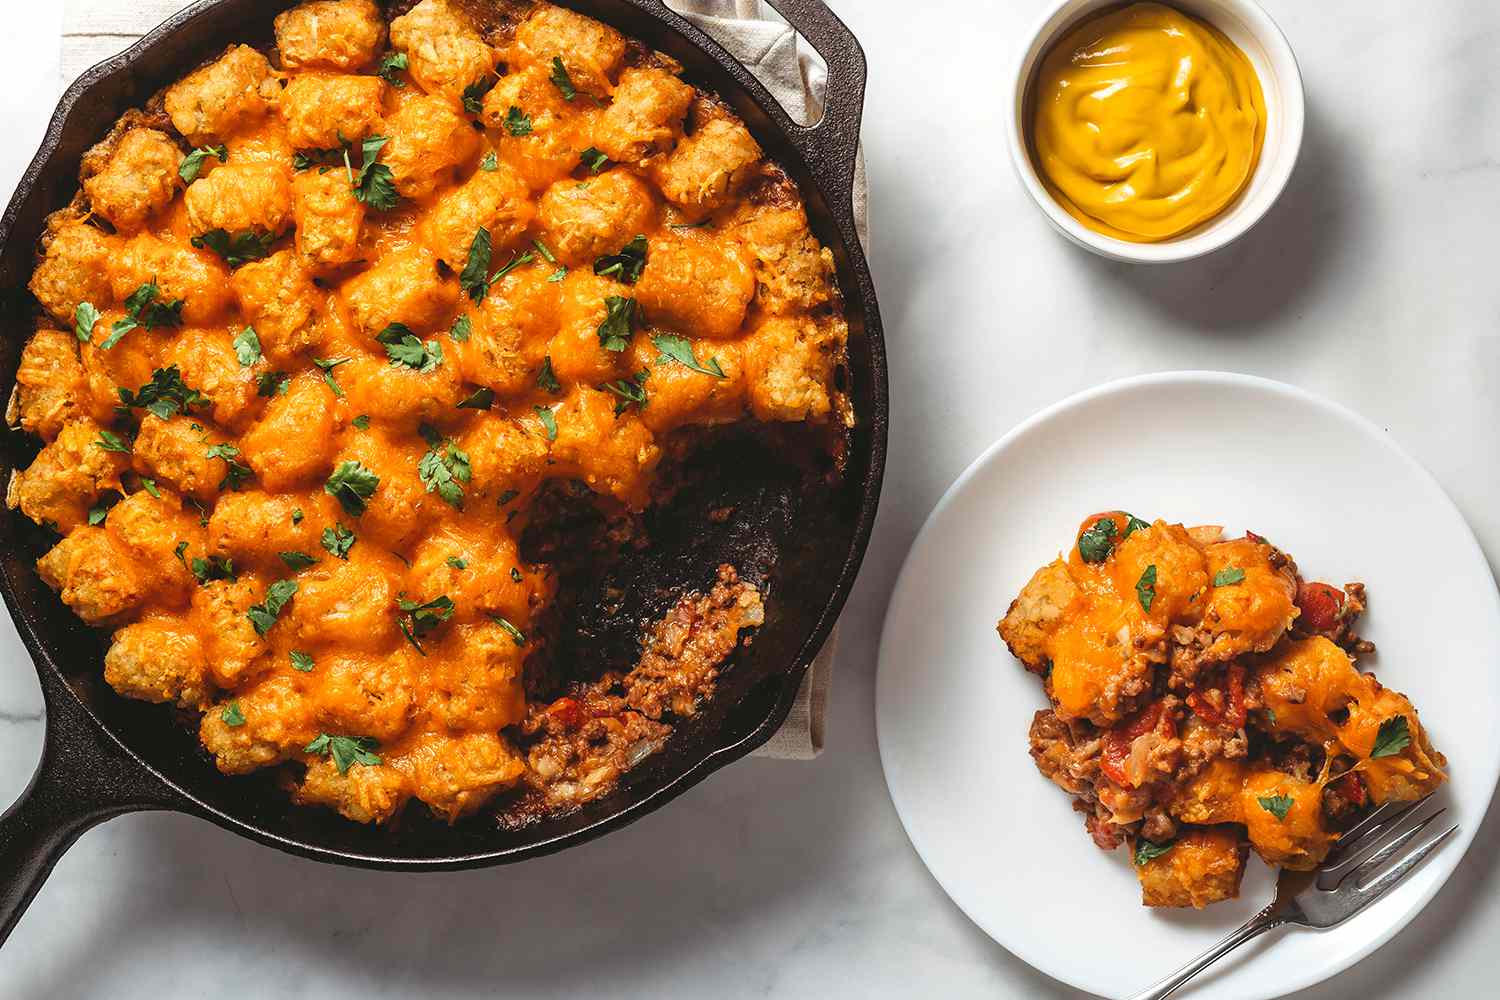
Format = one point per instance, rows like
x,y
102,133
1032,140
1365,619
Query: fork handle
x,y
1254,927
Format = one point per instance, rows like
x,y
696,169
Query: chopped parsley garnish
x,y
490,163
328,365
149,485
352,485
549,421
1095,544
213,568
628,392
506,497
517,122
301,661
404,348
192,164
1393,736
1145,587
326,158
297,515
515,262
272,384
480,399
297,560
417,620
475,277
444,469
680,350
166,395
1276,805
593,159
391,64
619,315
1146,850
1132,525
516,635
462,329
1228,577
515,574
142,309
685,226
179,550
97,515
84,319
338,540
625,266
456,562
247,347
237,249
542,249
346,751
546,379
264,614
474,94
374,184
561,80
361,422
236,472
232,715
111,442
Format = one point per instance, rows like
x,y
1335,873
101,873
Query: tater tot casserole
x,y
353,356
1206,702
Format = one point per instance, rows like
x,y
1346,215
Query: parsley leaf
x,y
417,620
516,635
192,164
232,715
345,750
111,442
1098,541
236,472
297,515
444,468
247,347
546,379
179,550
506,497
149,485
391,64
352,485
84,319
629,392
374,184
237,249
547,254
166,395
680,350
1393,736
515,574
403,348
297,560
1132,525
328,365
561,80
97,515
142,309
549,421
620,314
490,163
361,422
1146,850
475,277
213,568
456,562
517,122
338,540
264,614
462,329
301,661
625,266
1145,588
1227,577
1276,805
272,384
474,94
480,399
593,159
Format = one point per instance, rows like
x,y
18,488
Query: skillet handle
x,y
81,781
830,146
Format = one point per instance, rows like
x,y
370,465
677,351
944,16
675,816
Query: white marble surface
x,y
1373,282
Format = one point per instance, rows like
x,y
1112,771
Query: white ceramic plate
x,y
953,707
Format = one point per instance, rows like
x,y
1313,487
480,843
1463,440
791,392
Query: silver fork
x,y
1349,880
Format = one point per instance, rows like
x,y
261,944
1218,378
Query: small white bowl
x,y
1249,27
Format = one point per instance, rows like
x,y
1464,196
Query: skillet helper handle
x,y
830,146
81,781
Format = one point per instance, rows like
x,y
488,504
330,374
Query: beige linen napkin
x,y
93,30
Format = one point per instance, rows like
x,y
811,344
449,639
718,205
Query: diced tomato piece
x,y
1351,789
1232,699
1321,605
1257,539
1115,744
568,711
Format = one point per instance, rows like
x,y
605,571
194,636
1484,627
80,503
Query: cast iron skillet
x,y
105,755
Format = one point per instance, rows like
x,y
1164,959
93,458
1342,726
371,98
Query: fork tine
x,y
1392,830
1368,894
1386,816
1372,862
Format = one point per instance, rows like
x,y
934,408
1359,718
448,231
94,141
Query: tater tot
x,y
699,287
332,34
445,52
708,167
139,179
227,95
645,116
323,111
582,222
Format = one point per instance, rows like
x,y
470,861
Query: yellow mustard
x,y
1146,122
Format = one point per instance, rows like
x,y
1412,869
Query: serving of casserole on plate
x,y
361,360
